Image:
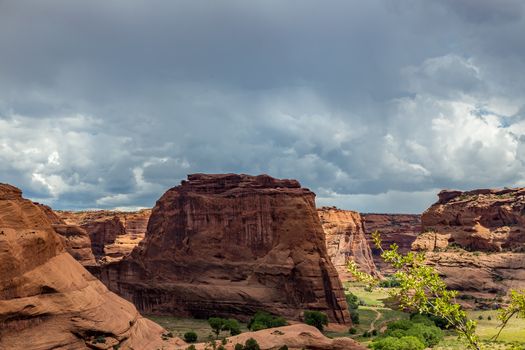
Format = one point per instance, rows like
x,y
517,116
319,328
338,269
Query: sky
x,y
374,105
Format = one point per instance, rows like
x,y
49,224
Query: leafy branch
x,y
421,289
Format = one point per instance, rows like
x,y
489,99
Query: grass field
x,y
178,326
513,337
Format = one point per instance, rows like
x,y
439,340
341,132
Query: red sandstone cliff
x,y
47,299
476,239
346,240
401,229
232,245
113,234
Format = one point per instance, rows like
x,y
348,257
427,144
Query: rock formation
x,y
346,240
113,234
401,229
476,239
295,337
76,240
231,245
47,299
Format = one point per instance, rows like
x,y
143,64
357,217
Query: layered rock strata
x,y
346,240
113,234
401,229
231,245
47,299
476,239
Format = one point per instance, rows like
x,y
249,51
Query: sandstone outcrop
x,y
295,337
476,239
113,234
76,239
47,299
401,229
230,245
346,240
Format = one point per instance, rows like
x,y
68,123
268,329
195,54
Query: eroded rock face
x,y
76,239
476,239
401,229
113,234
231,245
47,299
346,240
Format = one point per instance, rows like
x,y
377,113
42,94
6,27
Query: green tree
x,y
217,324
422,290
404,343
317,319
233,326
263,320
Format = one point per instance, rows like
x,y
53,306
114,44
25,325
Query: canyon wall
x,y
476,239
230,245
401,229
346,240
113,234
47,299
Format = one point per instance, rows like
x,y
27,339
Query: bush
x,y
233,326
317,319
352,330
489,318
190,337
239,347
355,317
429,335
263,320
191,347
374,332
404,343
251,344
400,324
390,282
284,347
353,301
480,317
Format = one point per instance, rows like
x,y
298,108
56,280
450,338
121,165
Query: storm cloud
x,y
374,105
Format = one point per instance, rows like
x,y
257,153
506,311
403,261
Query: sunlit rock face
x,y
476,239
113,234
231,245
47,299
346,240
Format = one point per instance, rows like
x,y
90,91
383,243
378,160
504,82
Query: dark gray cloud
x,y
370,104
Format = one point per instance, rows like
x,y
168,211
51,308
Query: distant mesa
x,y
230,245
47,299
113,234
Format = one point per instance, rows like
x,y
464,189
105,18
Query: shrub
x,y
353,301
404,343
489,317
100,339
355,317
251,344
239,346
191,347
284,347
190,337
400,324
352,330
317,319
233,326
374,332
263,320
480,317
390,282
429,335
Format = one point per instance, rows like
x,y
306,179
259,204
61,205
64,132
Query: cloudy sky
x,y
374,105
